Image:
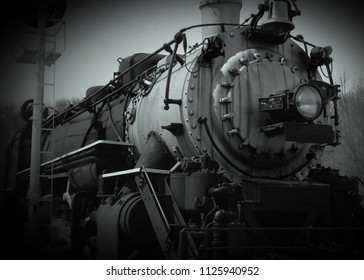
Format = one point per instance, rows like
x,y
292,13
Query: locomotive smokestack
x,y
219,11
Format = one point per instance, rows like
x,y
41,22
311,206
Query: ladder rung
x,y
47,129
49,84
46,152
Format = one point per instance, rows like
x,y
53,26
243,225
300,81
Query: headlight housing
x,y
212,47
307,101
304,102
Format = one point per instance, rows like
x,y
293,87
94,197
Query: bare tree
x,y
11,123
349,156
352,129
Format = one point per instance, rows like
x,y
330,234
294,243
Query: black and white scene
x,y
182,130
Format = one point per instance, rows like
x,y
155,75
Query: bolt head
x,y
294,69
244,61
283,60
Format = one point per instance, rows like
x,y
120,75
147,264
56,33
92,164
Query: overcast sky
x,y
98,32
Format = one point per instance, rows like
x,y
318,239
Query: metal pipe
x,y
67,162
33,192
58,118
37,108
167,100
79,162
84,102
222,216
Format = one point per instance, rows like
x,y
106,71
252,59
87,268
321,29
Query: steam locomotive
x,y
207,153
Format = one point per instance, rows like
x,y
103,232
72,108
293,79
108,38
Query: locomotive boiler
x,y
208,152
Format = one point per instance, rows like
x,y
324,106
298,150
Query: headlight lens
x,y
206,44
308,102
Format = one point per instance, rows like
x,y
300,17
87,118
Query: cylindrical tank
x,y
177,182
84,177
133,218
196,185
101,92
121,223
134,59
219,11
189,189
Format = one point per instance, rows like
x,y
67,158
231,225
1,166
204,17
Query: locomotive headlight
x,y
308,102
304,102
206,44
212,47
